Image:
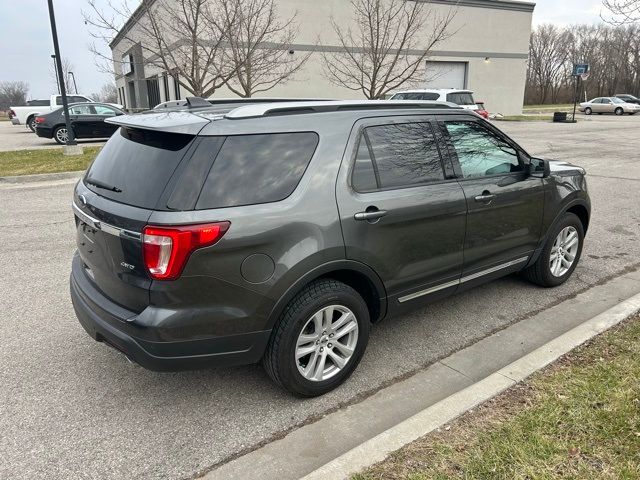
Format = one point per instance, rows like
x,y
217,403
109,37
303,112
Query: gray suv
x,y
279,232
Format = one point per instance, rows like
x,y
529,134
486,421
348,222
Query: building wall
x,y
492,36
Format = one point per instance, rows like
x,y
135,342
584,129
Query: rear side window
x,y
252,169
461,98
135,165
400,155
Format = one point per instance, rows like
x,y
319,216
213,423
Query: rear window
x,y
460,98
252,169
137,164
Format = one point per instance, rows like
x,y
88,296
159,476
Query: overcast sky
x,y
26,44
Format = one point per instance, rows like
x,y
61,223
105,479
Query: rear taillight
x,y
166,249
40,119
11,114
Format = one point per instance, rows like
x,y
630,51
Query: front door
x,y
505,204
402,212
104,112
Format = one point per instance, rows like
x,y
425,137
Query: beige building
x,y
487,54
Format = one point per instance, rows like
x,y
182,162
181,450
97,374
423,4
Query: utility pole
x,y
71,147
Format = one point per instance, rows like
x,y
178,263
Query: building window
x,y
176,87
165,85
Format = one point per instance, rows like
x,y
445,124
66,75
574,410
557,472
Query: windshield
x,y
461,98
135,165
617,100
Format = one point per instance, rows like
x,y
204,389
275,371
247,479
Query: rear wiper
x,y
100,184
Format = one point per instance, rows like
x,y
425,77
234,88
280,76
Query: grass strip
x,y
577,419
46,160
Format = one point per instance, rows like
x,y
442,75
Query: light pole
x,y
71,147
55,71
75,85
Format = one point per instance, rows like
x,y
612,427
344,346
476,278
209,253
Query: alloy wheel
x,y
564,251
326,343
62,135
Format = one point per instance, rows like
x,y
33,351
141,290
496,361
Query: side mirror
x,y
539,168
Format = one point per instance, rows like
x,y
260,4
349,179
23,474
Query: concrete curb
x,y
41,177
353,437
377,448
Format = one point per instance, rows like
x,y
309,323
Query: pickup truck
x,y
26,114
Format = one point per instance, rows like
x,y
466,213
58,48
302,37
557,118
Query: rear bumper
x,y
44,132
107,322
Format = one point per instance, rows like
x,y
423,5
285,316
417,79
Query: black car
x,y
87,121
629,98
280,232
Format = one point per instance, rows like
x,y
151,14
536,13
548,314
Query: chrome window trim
x,y
105,227
462,280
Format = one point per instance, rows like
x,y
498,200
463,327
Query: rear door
x,y
113,202
83,120
505,204
401,212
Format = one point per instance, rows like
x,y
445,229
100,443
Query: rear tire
x,y
542,272
307,325
31,123
619,111
60,135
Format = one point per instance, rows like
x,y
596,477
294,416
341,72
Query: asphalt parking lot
x,y
19,137
72,408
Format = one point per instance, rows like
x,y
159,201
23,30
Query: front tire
x,y
588,111
60,135
319,339
560,255
619,111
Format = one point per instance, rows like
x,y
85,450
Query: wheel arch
x,y
358,276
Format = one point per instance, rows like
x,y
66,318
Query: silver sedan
x,y
609,105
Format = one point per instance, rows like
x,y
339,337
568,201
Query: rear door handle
x,y
486,197
370,215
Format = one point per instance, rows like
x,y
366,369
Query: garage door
x,y
446,75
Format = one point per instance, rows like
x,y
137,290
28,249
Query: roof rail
x,y
289,108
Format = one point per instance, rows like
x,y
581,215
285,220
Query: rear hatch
x,y
115,199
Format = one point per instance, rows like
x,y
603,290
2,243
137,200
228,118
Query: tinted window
x,y
480,151
364,176
403,154
416,96
139,163
252,169
461,98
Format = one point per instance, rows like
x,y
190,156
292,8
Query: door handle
x,y
372,214
487,197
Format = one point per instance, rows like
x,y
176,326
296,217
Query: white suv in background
x,y
464,98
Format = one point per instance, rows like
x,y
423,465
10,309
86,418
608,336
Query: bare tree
x,y
108,94
388,45
13,94
548,54
260,46
183,37
623,11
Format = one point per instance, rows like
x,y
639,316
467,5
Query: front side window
x,y
397,155
104,110
82,110
480,151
